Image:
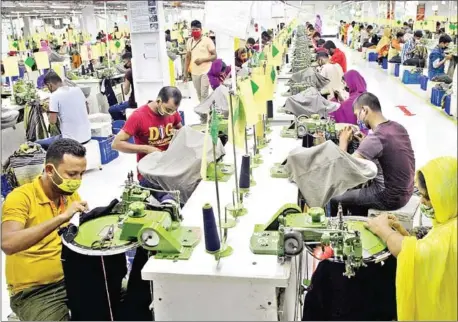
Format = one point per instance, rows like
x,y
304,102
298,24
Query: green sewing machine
x,y
224,171
138,219
24,92
340,239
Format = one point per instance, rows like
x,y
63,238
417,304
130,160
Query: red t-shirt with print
x,y
339,58
150,128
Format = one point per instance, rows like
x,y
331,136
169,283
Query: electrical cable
x,y
106,288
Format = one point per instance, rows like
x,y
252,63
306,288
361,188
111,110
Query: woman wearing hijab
x,y
318,24
218,73
426,276
355,85
383,45
241,57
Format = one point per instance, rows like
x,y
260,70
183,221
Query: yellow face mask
x,y
68,185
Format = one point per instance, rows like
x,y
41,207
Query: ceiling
x,y
59,9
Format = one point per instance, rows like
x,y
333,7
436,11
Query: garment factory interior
x,y
229,160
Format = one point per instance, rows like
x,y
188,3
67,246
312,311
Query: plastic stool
x,y
447,104
372,56
430,87
411,78
424,82
385,63
436,97
397,67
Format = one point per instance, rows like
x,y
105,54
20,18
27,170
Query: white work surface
x,y
279,102
243,286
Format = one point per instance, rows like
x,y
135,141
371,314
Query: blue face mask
x,y
361,124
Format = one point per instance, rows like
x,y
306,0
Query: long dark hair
x,y
422,184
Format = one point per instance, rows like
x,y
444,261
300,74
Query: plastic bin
x,y
182,117
6,188
107,154
436,97
411,78
372,56
116,126
448,104
424,82
385,63
397,67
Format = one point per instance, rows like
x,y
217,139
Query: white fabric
x,y
178,168
325,171
334,73
93,157
70,104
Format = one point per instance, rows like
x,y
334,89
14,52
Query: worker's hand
x,y
338,95
75,206
199,61
396,224
346,134
147,149
377,224
448,57
359,136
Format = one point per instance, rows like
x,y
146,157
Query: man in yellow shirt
x,y
201,52
31,217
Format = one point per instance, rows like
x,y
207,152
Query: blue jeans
x,y
158,195
45,143
118,111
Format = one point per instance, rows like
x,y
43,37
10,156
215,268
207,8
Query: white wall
x,y
443,9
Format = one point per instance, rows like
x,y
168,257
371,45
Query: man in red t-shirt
x,y
338,56
151,126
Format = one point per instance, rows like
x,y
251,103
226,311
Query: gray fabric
x,y
309,102
178,168
325,171
310,78
220,96
55,57
9,118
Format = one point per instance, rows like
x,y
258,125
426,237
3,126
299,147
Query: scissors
x,y
105,241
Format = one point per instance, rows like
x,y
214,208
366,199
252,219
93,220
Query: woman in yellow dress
x,y
426,276
383,45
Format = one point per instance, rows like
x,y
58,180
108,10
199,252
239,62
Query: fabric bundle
x,y
309,102
325,171
9,117
178,168
310,78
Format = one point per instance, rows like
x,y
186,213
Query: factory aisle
x,y
432,135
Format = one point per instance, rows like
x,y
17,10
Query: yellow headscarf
x,y
426,277
384,41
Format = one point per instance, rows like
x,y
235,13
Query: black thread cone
x,y
244,182
212,243
307,141
270,109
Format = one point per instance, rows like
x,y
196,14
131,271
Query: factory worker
x,y
31,217
152,126
438,58
201,52
333,72
388,145
337,56
426,277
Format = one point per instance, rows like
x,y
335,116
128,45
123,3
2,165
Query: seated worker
x,y
250,43
152,126
265,38
320,46
31,216
426,278
241,57
366,36
355,85
333,72
68,106
383,45
389,146
310,31
218,73
395,48
338,56
437,58
350,33
315,37
408,49
118,111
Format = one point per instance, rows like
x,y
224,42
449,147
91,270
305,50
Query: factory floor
x,y
431,132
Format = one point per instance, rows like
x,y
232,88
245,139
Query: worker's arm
x,y
438,63
121,143
53,109
126,86
16,238
87,108
390,231
52,117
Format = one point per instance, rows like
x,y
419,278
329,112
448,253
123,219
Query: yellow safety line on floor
x,y
450,118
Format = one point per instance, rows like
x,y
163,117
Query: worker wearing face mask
x,y
241,56
31,217
201,52
438,58
151,125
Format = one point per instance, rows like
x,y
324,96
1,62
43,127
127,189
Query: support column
x,y
225,48
150,63
28,26
88,21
